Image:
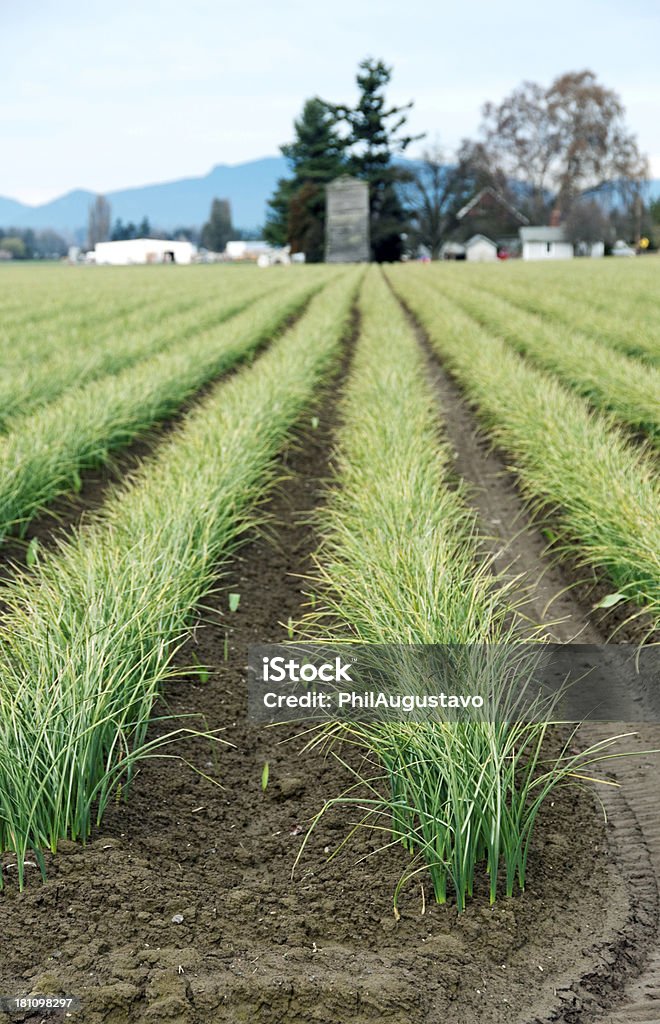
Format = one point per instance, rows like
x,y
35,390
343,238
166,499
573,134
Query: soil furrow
x,y
555,597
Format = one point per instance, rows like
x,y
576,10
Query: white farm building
x,y
545,243
480,249
143,250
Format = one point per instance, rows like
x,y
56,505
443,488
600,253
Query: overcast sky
x,y
103,94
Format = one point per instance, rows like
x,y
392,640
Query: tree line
x,y
213,235
561,154
26,244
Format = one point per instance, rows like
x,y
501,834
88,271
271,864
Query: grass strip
x,y
89,639
575,464
399,564
609,380
46,455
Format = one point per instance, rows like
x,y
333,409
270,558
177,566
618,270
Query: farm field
x,y
197,459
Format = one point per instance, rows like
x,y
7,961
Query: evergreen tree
x,y
276,228
218,229
316,157
375,139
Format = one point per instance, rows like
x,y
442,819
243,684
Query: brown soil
x,y
253,944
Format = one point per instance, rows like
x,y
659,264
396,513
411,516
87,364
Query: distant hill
x,y
168,205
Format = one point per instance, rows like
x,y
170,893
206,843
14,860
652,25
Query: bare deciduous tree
x,y
587,223
98,227
441,184
562,140
429,196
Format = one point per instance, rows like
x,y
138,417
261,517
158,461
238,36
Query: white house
x,y
545,243
480,249
143,250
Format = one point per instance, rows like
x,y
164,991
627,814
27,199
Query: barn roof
x,y
479,238
499,198
542,233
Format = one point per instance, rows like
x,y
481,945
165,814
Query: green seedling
x,y
609,601
315,422
32,553
234,602
264,776
202,671
52,442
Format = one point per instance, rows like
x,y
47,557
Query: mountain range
x,y
168,205
182,203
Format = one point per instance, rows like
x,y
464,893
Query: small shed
x,y
142,250
480,249
545,243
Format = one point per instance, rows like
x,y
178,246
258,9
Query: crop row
x,y
612,300
609,380
399,564
46,454
601,492
90,636
634,334
63,364
50,295
50,302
